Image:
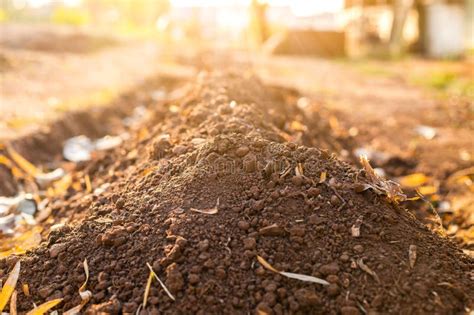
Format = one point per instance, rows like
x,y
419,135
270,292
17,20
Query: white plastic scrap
x,y
426,132
80,148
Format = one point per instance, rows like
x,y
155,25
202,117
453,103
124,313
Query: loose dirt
x,y
215,179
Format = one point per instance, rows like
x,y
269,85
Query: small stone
x,y
297,180
250,243
45,291
179,149
329,269
243,225
242,151
314,192
56,249
272,230
335,201
297,231
316,219
250,163
221,273
359,249
307,297
174,278
193,278
349,310
269,298
332,279
271,287
258,205
333,290
203,245
344,257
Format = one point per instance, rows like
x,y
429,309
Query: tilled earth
x,y
218,180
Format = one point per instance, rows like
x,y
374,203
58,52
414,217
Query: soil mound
x,y
211,185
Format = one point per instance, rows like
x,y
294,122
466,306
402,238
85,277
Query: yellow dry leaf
x,y
88,184
9,286
86,270
323,177
86,295
291,275
16,172
160,282
26,289
266,264
13,303
297,126
427,190
147,289
414,180
205,211
43,308
5,161
20,244
61,186
143,134
23,163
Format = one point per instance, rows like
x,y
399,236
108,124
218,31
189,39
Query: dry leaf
x,y
364,267
13,303
88,183
414,180
265,264
24,164
205,211
412,255
161,282
299,170
85,295
291,275
323,177
147,289
379,185
427,190
208,211
20,244
355,229
9,286
26,289
43,308
306,278
297,126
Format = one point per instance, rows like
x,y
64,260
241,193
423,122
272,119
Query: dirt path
x,y
43,77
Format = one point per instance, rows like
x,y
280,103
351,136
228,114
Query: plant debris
x,y
161,282
291,275
412,255
86,295
43,308
364,267
381,186
9,286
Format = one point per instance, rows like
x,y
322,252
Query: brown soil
x,y
229,146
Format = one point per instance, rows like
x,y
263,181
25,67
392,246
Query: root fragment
x,y
365,268
412,255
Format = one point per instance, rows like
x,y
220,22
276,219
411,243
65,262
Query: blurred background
x,y
355,28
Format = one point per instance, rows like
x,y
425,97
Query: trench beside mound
x,y
215,186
